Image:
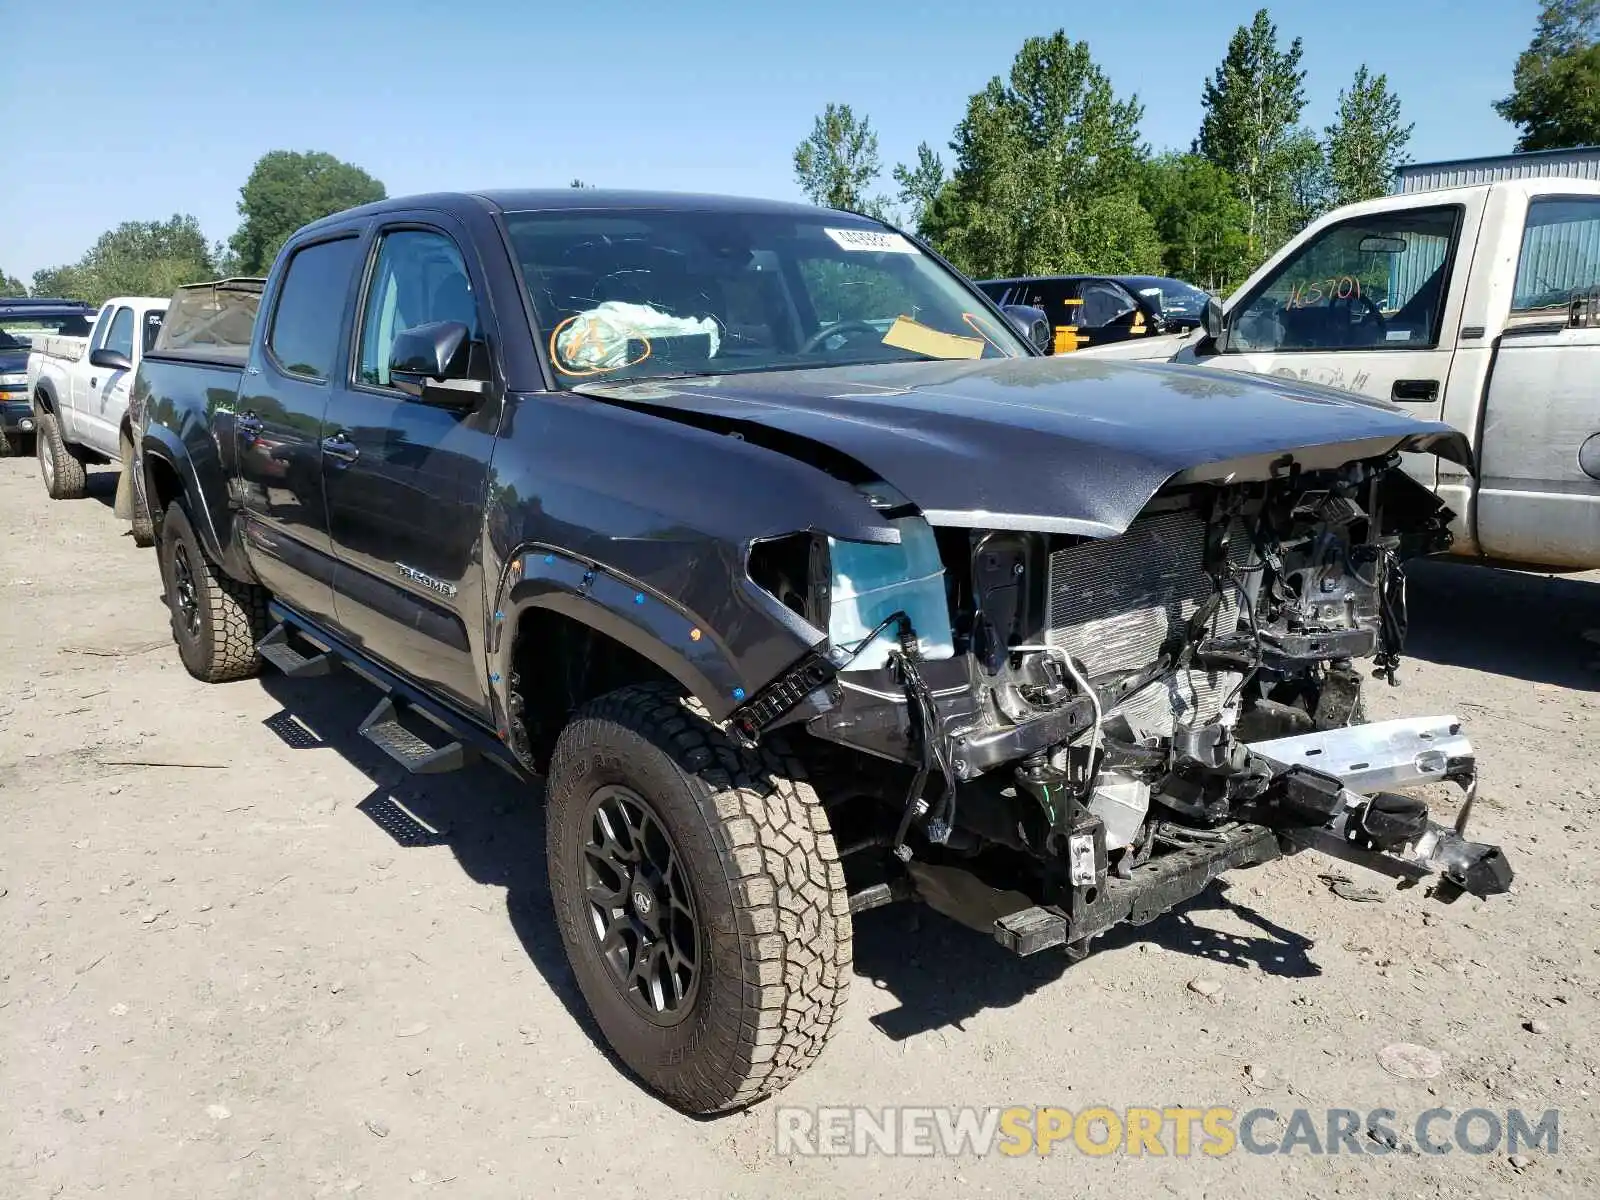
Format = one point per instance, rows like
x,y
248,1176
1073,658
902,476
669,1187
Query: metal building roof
x,y
1580,162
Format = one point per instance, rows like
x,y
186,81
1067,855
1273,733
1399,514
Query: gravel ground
x,y
243,956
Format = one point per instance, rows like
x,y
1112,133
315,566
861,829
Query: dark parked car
x,y
805,583
1096,309
21,320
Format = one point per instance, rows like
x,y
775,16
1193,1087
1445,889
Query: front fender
x,y
656,627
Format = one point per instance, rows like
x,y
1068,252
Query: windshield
x,y
1175,296
17,333
643,293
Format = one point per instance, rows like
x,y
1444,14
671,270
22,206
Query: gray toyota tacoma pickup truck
x,y
804,582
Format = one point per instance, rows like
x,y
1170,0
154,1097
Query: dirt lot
x,y
242,956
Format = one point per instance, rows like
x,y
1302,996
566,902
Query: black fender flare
x,y
162,444
44,389
656,627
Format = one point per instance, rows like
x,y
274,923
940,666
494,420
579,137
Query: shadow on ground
x,y
941,973
102,486
491,822
1512,623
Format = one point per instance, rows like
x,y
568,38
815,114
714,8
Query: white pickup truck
x,y
79,388
1479,306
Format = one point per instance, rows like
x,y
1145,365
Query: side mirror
x,y
1031,323
110,360
1211,319
430,362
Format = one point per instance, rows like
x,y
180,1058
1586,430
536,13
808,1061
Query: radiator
x,y
1114,604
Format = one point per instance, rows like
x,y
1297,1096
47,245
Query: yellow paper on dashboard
x,y
906,334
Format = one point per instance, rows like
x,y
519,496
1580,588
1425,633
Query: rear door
x,y
1539,449
278,420
406,480
1364,305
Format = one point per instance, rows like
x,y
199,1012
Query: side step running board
x,y
277,650
383,729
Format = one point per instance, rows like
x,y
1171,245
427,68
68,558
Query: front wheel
x,y
216,620
700,899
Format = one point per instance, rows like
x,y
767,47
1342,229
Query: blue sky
x,y
136,111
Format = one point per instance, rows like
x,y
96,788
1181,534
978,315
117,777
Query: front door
x,y
278,423
1364,306
407,481
83,396
1539,480
107,397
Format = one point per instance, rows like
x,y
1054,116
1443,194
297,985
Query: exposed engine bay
x,y
1089,730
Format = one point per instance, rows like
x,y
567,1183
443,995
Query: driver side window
x,y
1370,283
419,279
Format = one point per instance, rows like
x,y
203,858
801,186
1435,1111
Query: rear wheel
x,y
19,445
700,898
64,476
216,620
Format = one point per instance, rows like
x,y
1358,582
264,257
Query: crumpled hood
x,y
1048,444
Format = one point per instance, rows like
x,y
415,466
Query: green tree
x,y
920,185
837,164
1555,96
1366,144
60,283
10,285
1200,219
1252,107
287,190
1304,189
147,258
1046,172
137,258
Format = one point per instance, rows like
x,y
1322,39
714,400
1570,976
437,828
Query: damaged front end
x,y
1066,732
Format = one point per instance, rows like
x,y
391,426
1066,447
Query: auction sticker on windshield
x,y
878,240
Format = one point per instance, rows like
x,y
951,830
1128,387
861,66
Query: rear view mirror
x,y
1211,318
430,362
1032,324
1382,245
110,360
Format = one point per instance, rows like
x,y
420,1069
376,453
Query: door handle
x,y
1415,391
341,449
247,426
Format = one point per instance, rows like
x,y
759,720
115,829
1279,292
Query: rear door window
x,y
1560,260
311,305
152,327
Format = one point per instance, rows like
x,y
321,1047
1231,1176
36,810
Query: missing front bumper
x,y
1336,795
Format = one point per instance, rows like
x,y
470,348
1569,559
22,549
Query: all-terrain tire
x,y
216,620
773,917
17,445
64,476
144,529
